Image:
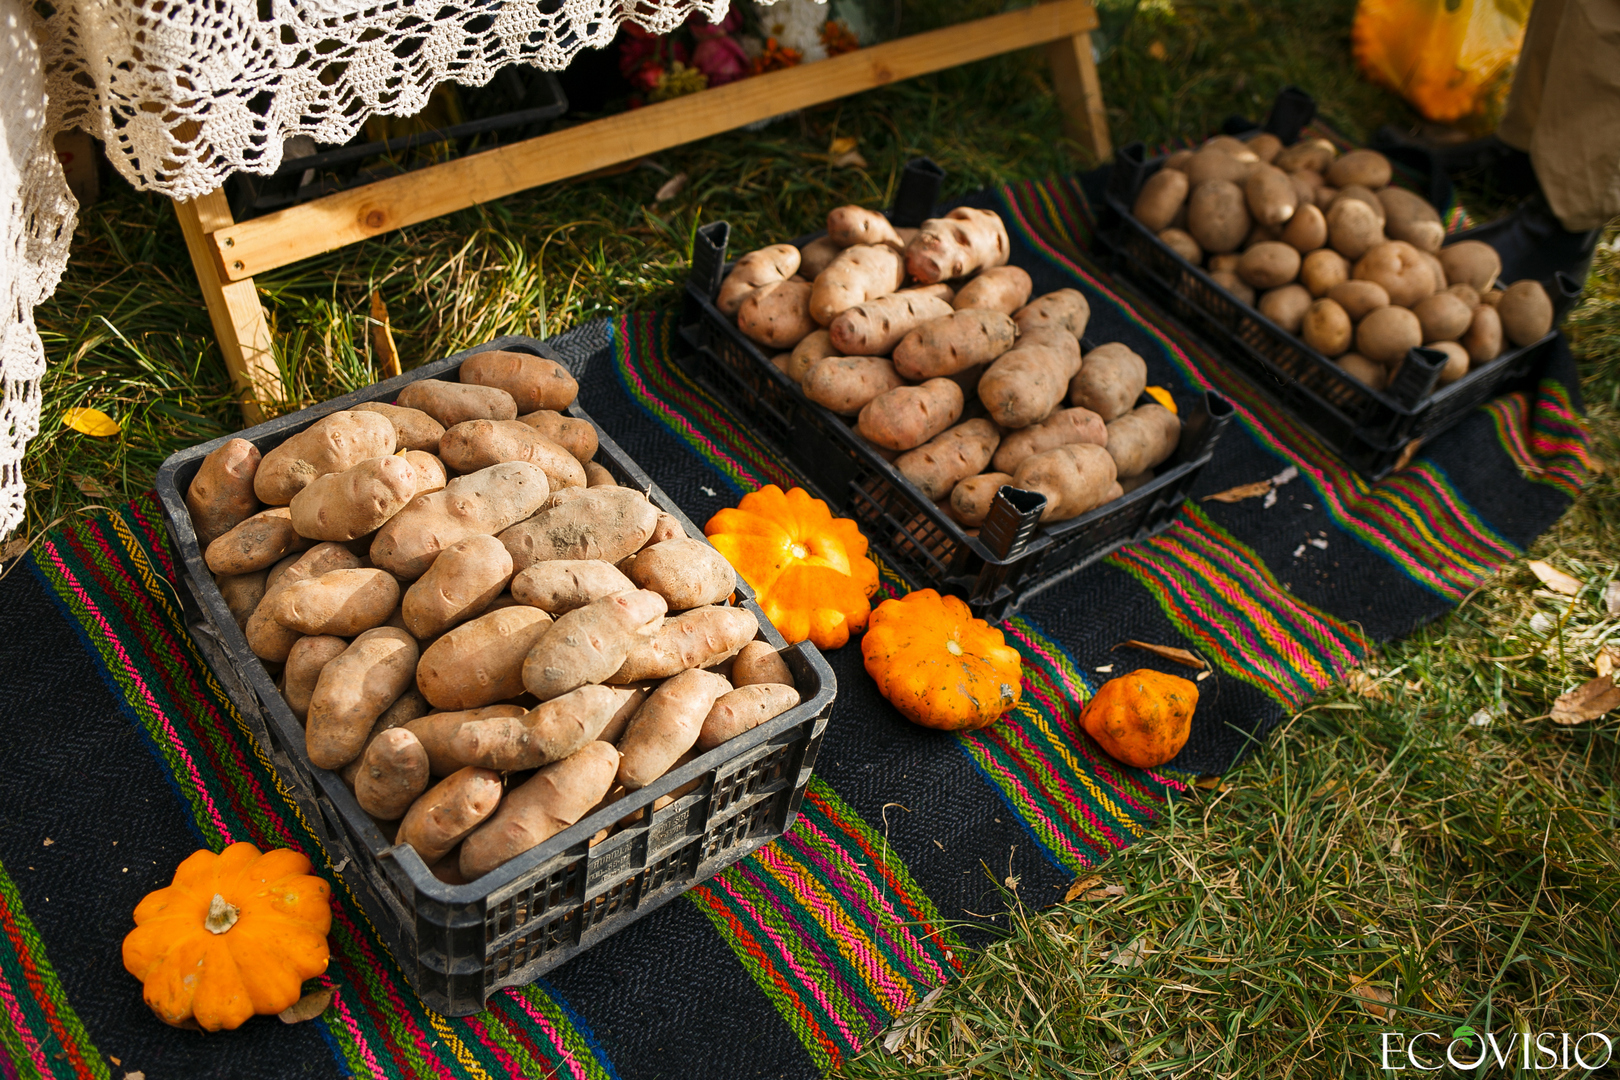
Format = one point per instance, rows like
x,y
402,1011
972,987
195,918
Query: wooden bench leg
x,y
1079,93
233,307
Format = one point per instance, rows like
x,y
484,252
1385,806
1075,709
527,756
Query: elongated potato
x,y
576,436
635,693
816,256
957,244
393,772
561,585
1076,425
485,502
430,473
460,584
667,529
407,707
687,573
954,342
270,640
454,403
743,709
481,662
777,316
589,644
814,346
875,327
859,273
449,810
767,266
1074,478
437,732
478,444
851,225
338,602
220,497
1142,438
970,499
349,504
331,444
1218,216
255,543
702,637
242,593
939,464
1025,384
533,381
598,475
549,732
605,523
667,725
1065,309
759,662
1111,378
413,428
845,384
1000,288
909,416
1161,198
547,803
353,690
304,663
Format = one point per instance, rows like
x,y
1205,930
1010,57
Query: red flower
x,y
701,27
721,59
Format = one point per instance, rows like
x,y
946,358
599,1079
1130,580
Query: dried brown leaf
x,y
1132,955
309,1006
906,1024
851,160
671,188
91,487
1241,492
1586,702
1363,685
1607,660
1107,892
1090,881
1375,999
1208,783
1168,652
1554,578
841,145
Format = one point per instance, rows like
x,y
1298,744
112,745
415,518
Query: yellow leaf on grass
x,y
1162,396
1554,578
841,146
1090,881
1167,652
1586,702
91,422
1375,999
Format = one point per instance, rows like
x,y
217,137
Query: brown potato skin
x,y
1327,328
1141,439
480,662
1364,370
1457,361
1483,340
304,663
1313,154
1073,425
702,637
815,345
1307,230
547,803
970,499
413,428
1409,216
576,436
909,416
759,662
875,327
589,644
1353,228
448,811
606,523
353,690
460,584
816,256
488,501
956,245
479,444
1444,317
1359,298
242,593
767,266
1065,309
349,504
851,225
939,464
268,639
256,543
220,497
1074,478
1000,288
1269,264
533,381
339,602
1218,216
687,573
743,709
1385,336
597,476
667,725
430,473
1472,261
953,342
1322,271
454,403
1368,168
331,444
1162,195
437,732
845,384
561,585
1270,195
1400,268
1111,378
549,732
1181,242
777,316
1218,163
1286,306
859,273
393,772
1526,312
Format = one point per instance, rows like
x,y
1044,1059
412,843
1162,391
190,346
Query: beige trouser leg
x,y
1564,108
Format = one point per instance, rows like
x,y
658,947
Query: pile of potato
x,y
487,636
928,342
1325,248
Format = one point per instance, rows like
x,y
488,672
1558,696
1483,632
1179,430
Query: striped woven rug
x,y
122,754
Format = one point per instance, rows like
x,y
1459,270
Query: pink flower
x,y
721,59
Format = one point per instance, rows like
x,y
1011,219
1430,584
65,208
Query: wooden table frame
x,y
227,254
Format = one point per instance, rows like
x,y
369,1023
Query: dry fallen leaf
x,y
1611,599
1132,955
92,487
309,1006
1607,660
91,422
1363,685
841,145
907,1023
1375,998
1241,492
1167,652
1208,783
1554,578
851,160
1107,892
1586,702
135,1075
1090,881
671,188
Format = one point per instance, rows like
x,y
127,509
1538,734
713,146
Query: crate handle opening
x,y
1418,376
917,194
1203,426
1291,110
1013,518
709,256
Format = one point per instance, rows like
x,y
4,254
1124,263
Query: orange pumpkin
x,y
236,934
1143,718
808,569
938,665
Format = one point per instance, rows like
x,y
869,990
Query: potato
x,y
449,810
413,428
970,499
1483,339
1065,309
393,772
1182,244
340,602
1466,293
1074,425
1306,230
766,266
1269,264
778,316
814,257
1162,194
485,502
352,691
268,639
667,725
1353,228
242,593
549,732
454,403
1368,168
1178,160
1492,297
1142,438
851,225
956,245
1264,146
1444,317
430,475
480,662
1111,378
859,273
437,732
304,663
598,476
1270,195
702,637
561,585
533,381
846,384
407,707
1227,264
576,436
1314,154
1409,216
1457,361
220,497
1306,182
1233,284
1324,197
744,709
355,502
939,464
1364,370
1074,478
1326,328
668,528
1286,306
759,662
331,444
605,523
1218,216
687,573
1472,261
479,444
1026,384
1526,312
547,803
1386,335
460,585
590,643
875,327
1362,194
1216,163
815,346
1322,271
255,543
953,342
1400,268
1000,288
909,416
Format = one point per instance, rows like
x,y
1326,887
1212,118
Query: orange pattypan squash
x,y
236,934
808,569
938,665
1143,718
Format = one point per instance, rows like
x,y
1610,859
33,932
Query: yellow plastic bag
x,y
1447,57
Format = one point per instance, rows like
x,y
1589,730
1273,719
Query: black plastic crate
x,y
1374,431
459,943
1014,556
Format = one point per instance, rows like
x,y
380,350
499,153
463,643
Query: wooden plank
x,y
233,307
1079,94
347,217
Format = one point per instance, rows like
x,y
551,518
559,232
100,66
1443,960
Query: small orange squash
x,y
1143,718
235,935
808,569
938,665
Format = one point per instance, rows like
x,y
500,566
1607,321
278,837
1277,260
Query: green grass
x,y
1467,871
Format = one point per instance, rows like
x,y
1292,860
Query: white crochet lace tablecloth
x,y
185,92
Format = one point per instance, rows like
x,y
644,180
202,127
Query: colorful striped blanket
x,y
122,754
